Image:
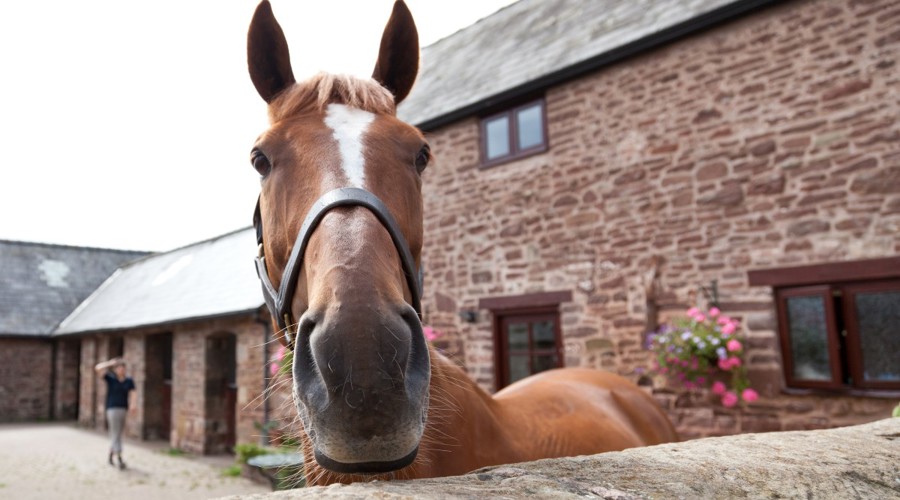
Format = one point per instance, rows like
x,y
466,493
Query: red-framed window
x,y
838,324
527,335
528,343
515,133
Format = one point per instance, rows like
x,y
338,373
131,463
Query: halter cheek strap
x,y
279,301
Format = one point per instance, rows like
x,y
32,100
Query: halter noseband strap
x,y
279,302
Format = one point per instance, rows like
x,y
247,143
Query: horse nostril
x,y
305,327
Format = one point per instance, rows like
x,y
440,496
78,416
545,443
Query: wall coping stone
x,y
862,461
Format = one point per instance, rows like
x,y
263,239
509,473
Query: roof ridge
x,y
183,247
477,22
74,247
84,303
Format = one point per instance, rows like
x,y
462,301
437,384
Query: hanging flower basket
x,y
703,349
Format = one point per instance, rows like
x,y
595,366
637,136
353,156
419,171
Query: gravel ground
x,y
40,461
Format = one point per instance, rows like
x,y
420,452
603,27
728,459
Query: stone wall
x,y
25,366
853,462
197,424
66,382
768,141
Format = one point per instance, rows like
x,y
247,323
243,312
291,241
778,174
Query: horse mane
x,y
316,93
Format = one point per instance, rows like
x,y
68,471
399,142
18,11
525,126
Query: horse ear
x,y
398,57
268,58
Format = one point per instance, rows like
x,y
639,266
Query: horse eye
x,y
260,162
422,158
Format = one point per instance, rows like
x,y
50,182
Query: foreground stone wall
x,y
851,462
768,141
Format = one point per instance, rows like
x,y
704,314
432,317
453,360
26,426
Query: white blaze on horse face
x,y
349,126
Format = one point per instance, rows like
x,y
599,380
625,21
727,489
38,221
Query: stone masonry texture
x,y
197,424
772,140
24,398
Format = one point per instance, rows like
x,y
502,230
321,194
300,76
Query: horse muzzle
x,y
361,387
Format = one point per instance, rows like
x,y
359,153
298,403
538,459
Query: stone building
x,y
39,286
602,166
191,326
190,323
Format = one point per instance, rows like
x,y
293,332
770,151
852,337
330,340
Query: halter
x,y
279,302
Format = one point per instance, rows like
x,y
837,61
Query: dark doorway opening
x,y
221,392
158,387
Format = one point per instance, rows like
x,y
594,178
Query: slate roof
x,y
41,284
534,40
207,279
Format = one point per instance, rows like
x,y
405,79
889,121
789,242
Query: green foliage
x,y
287,363
174,452
232,471
246,451
694,349
896,412
266,427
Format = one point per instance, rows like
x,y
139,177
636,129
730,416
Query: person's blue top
x,y
117,391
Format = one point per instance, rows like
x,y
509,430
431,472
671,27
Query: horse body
x,y
341,230
557,413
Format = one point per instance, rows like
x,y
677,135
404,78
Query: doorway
x,y
158,387
221,392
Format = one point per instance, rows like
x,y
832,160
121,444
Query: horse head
x,y
340,228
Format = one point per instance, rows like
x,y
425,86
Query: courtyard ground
x,y
52,460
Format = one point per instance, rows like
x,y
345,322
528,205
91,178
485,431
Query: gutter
x,y
160,324
668,35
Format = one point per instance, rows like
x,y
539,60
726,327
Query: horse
x,y
340,229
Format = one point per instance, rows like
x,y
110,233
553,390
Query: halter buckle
x,y
287,330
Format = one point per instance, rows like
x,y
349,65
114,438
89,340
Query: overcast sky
x,y
127,124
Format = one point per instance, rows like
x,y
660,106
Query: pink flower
x,y
749,395
729,399
430,333
700,318
276,361
724,320
728,328
701,380
729,363
713,312
734,345
689,385
718,388
693,312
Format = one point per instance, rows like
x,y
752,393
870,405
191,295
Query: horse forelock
x,y
323,89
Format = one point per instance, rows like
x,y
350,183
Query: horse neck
x,y
462,422
462,433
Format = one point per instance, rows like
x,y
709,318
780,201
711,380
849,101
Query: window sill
x,y
853,392
509,159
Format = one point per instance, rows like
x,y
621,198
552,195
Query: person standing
x,y
120,393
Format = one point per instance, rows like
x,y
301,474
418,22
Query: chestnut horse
x,y
339,223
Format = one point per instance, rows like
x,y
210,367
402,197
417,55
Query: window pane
x,y
531,127
497,139
878,314
544,336
518,367
518,336
541,363
808,332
